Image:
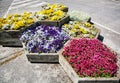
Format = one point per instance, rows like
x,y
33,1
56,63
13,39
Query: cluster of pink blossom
x,y
90,57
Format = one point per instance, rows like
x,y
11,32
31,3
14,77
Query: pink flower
x,y
89,57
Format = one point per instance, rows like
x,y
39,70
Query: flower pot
x,y
45,47
87,79
77,29
10,38
76,79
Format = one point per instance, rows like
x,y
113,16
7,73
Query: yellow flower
x,y
59,13
83,30
66,25
19,24
53,6
27,14
61,6
56,6
76,26
51,14
48,4
54,18
87,24
15,19
5,21
74,30
49,11
9,16
29,21
16,15
10,22
15,26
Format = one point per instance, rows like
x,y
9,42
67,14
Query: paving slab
x,y
20,70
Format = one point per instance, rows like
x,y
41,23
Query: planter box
x,y
96,36
76,79
11,42
58,23
10,38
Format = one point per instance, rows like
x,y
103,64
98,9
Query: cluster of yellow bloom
x,y
55,7
16,21
76,28
51,12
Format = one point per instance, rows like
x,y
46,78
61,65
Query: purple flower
x,y
44,39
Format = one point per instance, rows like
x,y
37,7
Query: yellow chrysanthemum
x,y
19,24
59,13
84,31
27,14
16,15
76,26
53,6
15,19
87,24
29,21
9,16
66,25
81,29
56,6
54,18
74,30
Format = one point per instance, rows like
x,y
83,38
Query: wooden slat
x,y
54,23
43,58
11,42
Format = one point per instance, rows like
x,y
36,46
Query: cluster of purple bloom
x,y
44,39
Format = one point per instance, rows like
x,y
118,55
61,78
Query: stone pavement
x,y
19,70
4,5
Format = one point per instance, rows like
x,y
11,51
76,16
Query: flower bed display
x,y
44,39
51,17
79,16
77,29
12,26
55,7
88,60
16,21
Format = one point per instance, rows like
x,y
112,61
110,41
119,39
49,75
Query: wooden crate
x,y
58,23
10,38
11,42
76,79
81,36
